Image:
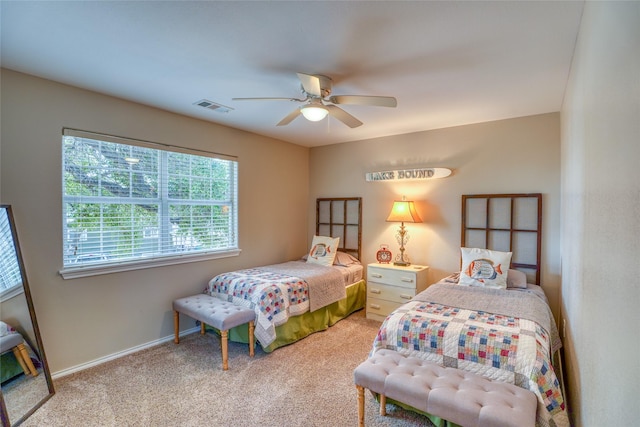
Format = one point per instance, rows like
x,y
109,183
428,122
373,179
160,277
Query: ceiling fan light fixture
x,y
314,113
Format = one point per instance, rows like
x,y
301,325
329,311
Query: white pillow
x,y
484,267
344,259
323,250
6,329
516,280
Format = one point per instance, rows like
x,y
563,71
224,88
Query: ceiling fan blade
x,y
376,101
269,99
343,116
292,115
310,84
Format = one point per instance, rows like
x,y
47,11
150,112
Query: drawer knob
x,y
376,275
374,306
375,291
407,280
405,296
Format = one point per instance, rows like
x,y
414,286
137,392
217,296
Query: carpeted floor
x,y
309,383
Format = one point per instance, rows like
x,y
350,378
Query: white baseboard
x,y
96,362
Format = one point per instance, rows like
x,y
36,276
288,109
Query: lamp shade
x,y
314,113
403,211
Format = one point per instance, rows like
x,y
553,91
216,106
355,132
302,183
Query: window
x,y
132,202
10,275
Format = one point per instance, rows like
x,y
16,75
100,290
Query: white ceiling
x,y
448,63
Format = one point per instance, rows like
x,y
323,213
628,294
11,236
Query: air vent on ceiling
x,y
205,103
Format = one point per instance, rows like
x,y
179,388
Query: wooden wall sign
x,y
408,174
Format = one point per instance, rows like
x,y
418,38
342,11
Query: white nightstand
x,y
389,286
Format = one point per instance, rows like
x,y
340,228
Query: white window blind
x,y
128,200
10,275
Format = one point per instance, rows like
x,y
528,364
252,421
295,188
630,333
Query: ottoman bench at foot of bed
x,y
215,312
461,397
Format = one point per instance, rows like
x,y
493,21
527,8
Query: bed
x,y
491,318
297,298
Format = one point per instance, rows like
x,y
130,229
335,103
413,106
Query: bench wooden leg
x,y
22,355
224,335
176,327
251,339
383,405
16,353
360,405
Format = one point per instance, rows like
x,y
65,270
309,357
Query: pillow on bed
x,y
516,279
6,329
323,250
484,267
344,259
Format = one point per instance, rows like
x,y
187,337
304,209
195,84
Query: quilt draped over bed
x,y
505,335
277,292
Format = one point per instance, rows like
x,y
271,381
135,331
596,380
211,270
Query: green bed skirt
x,y
298,327
9,366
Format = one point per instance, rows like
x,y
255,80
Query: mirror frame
x,y
6,422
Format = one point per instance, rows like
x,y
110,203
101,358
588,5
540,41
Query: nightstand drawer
x,y
406,279
379,308
390,293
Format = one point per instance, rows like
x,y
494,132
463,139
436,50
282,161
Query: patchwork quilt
x,y
498,345
279,292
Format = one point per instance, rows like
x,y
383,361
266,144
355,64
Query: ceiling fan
x,y
319,102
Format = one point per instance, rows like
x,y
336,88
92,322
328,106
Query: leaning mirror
x,y
26,380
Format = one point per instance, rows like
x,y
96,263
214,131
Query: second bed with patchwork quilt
x,y
492,318
501,334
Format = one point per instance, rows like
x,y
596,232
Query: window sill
x,y
86,271
13,292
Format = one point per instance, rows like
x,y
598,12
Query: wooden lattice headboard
x,y
506,222
341,217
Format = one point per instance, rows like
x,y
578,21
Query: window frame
x,y
162,259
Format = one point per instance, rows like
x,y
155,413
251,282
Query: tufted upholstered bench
x,y
215,312
461,397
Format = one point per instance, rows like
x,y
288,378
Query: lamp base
x,y
402,264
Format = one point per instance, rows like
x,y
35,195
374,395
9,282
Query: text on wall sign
x,y
408,174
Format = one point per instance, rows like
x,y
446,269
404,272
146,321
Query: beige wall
x,y
90,318
601,217
518,155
